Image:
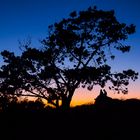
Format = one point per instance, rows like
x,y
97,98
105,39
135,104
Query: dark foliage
x,y
8,104
74,54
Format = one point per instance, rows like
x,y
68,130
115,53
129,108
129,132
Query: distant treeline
x,y
101,103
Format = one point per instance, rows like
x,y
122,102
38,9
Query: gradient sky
x,y
23,19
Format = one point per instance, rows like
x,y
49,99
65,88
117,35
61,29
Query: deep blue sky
x,y
20,19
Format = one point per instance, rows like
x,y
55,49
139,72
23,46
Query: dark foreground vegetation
x,y
111,119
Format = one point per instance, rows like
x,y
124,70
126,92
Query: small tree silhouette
x,y
74,54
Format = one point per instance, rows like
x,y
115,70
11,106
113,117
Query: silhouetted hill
x,y
119,120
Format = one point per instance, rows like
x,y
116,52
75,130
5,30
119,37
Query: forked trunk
x,y
67,100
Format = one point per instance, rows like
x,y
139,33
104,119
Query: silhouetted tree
x,y
30,105
74,54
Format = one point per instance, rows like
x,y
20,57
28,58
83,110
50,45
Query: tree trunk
x,y
67,100
65,104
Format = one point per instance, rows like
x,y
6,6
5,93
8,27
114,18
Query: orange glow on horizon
x,y
83,96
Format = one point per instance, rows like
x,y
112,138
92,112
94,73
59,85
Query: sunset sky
x,y
23,19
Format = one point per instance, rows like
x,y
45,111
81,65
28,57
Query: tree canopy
x,y
75,54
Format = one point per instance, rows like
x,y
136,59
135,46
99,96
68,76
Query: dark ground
x,y
119,122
